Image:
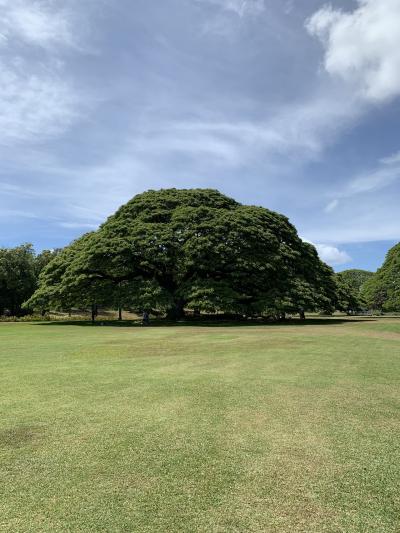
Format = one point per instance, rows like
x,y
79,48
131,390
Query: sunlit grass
x,y
262,428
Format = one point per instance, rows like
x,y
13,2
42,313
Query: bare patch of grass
x,y
18,436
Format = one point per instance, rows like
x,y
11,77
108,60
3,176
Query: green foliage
x,y
348,297
43,259
382,291
175,249
19,271
355,278
27,318
60,291
350,284
313,287
17,277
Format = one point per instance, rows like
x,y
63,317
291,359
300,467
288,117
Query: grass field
x,y
292,428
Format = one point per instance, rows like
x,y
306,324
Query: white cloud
x,y
34,22
33,106
362,47
332,255
37,100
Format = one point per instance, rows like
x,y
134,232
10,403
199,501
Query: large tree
x,y
176,249
382,291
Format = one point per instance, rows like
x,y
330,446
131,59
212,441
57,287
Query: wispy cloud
x,y
300,130
37,98
392,159
364,209
230,16
289,6
78,225
239,7
331,206
34,105
385,174
35,23
373,181
17,213
254,115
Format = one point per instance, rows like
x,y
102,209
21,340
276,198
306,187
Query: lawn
x,y
271,428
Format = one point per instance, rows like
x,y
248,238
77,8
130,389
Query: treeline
x,y
173,250
20,269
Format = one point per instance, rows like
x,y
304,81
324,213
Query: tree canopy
x,y
382,291
19,271
349,292
355,277
196,248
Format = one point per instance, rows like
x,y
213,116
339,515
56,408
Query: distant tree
x,y
43,259
176,249
348,297
17,278
382,291
355,278
19,272
349,290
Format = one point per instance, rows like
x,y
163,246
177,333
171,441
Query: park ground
x,y
275,428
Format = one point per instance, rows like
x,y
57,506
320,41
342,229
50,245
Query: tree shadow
x,y
207,323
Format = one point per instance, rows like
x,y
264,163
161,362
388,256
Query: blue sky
x,y
291,105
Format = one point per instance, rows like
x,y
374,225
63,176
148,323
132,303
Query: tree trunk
x,y
119,313
302,314
177,311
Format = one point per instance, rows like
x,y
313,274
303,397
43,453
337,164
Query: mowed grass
x,y
291,428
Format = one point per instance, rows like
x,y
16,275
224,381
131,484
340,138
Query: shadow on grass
x,y
159,323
